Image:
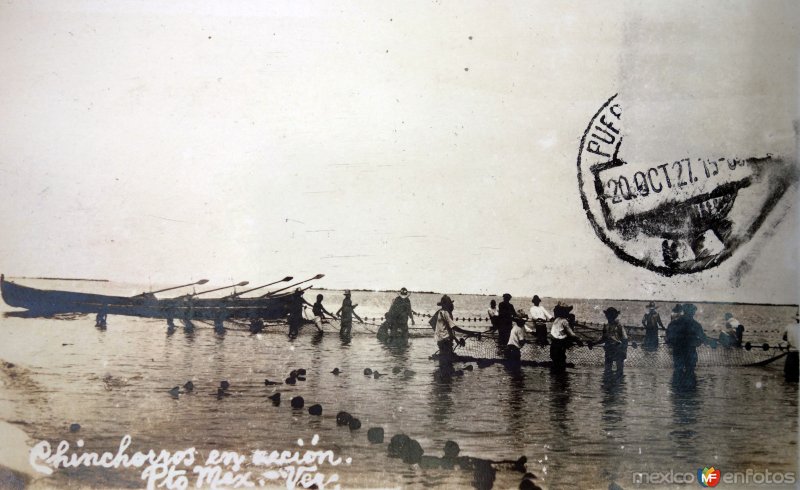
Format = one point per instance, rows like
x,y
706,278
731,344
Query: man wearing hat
x,y
728,336
505,320
398,315
615,341
540,316
684,335
561,336
296,305
443,331
735,327
675,313
346,313
651,322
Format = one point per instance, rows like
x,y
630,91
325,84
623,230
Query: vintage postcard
x,y
425,244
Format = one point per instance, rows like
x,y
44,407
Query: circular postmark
x,y
678,215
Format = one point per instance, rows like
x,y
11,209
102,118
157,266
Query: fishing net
x,y
483,346
487,348
329,325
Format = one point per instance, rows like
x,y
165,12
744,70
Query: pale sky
x,y
431,145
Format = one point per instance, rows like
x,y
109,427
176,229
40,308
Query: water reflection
x,y
188,334
316,339
686,407
441,401
613,388
613,420
514,410
560,398
188,326
396,347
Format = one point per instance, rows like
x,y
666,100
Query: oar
x,y
243,283
201,281
285,279
290,294
318,276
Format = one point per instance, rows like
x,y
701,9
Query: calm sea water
x,y
577,430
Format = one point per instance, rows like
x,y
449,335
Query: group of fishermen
x,y
395,325
683,333
296,317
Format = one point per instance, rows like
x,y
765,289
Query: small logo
x,y
708,477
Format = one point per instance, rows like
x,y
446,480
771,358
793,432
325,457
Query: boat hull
x,y
43,302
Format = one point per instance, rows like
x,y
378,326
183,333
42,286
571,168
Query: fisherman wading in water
x,y
346,313
561,337
651,322
443,331
516,340
684,335
399,314
493,313
296,305
320,313
505,320
731,334
539,316
615,340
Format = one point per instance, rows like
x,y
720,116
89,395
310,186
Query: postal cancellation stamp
x,y
681,215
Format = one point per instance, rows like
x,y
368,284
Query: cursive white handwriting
x,y
221,469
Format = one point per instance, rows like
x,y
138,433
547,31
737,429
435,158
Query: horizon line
x,y
741,303
738,303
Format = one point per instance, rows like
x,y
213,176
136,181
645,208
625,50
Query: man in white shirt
x,y
539,316
516,340
562,336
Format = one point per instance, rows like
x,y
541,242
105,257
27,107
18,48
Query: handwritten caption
x,y
299,468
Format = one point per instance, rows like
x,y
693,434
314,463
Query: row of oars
x,y
238,284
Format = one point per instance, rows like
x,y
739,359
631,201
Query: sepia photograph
x,y
382,245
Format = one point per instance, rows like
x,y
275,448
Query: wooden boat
x,y
43,302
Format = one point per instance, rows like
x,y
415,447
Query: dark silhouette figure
x,y
398,315
320,313
684,335
101,318
615,340
256,325
295,317
346,313
505,320
219,326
